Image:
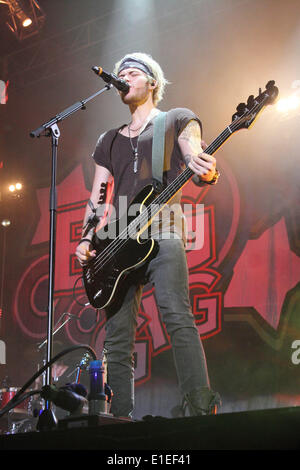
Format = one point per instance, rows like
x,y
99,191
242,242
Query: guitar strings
x,y
183,178
144,216
106,255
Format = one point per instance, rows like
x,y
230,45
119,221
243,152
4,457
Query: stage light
x,y
14,188
5,223
27,22
286,105
26,17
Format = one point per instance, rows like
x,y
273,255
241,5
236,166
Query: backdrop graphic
x,y
244,282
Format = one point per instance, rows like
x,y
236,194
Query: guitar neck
x,y
243,118
237,123
187,174
216,144
145,218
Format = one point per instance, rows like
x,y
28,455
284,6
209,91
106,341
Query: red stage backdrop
x,y
244,281
243,287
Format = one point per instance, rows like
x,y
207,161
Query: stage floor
x,y
276,429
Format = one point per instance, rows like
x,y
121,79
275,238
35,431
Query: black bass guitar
x,y
118,257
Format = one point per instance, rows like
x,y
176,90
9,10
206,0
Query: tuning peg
x,y
250,102
272,91
270,84
241,108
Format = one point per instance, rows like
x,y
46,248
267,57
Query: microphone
x,y
112,78
70,398
96,397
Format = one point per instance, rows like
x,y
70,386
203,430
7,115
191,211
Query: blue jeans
x,y
168,272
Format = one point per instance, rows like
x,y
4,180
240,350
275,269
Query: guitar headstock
x,y
248,112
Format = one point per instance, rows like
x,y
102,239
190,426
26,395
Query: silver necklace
x,y
153,113
134,150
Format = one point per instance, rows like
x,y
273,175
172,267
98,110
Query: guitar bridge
x,y
89,276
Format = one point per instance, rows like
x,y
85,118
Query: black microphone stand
x,y
47,419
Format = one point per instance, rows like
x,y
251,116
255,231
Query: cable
x,y
12,403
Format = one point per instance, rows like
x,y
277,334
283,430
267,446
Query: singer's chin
x,y
124,96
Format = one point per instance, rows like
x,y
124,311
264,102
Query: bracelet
x,y
215,178
85,240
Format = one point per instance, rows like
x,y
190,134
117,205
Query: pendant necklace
x,y
134,150
153,113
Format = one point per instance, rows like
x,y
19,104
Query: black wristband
x,y
86,240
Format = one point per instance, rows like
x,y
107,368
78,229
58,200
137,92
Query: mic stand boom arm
x,y
47,126
47,419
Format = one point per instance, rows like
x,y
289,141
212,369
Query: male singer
x,y
123,155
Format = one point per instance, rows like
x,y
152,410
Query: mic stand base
x,y
47,420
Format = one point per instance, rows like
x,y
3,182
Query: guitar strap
x,y
158,150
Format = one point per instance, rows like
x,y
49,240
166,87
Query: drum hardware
x,y
18,395
22,414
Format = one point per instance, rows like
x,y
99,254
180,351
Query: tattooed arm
x,y
84,250
190,144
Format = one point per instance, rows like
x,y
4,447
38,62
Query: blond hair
x,y
156,70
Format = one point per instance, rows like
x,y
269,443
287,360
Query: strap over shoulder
x,y
158,150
